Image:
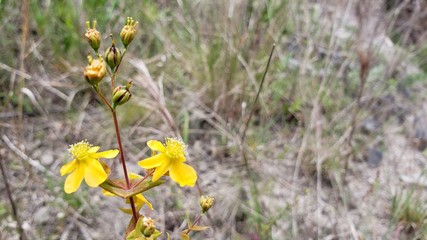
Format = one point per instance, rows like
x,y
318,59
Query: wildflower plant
x,y
167,158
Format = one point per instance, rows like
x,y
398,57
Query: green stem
x,y
96,87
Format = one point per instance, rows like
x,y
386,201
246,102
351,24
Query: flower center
x,y
175,148
79,150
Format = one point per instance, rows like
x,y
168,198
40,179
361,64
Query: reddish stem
x,y
122,158
140,181
194,224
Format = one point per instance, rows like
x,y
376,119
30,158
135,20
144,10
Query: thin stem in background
x,y
21,81
253,187
364,59
245,128
12,202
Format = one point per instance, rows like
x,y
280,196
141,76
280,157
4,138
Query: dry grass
x,y
327,155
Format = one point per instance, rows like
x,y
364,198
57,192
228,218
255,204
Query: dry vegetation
x,y
334,149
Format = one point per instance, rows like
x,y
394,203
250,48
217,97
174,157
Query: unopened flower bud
x,y
206,203
128,32
112,55
148,226
121,94
93,36
95,71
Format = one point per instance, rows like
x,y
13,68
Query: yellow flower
x,y
85,164
138,199
170,157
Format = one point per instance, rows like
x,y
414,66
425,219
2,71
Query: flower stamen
x,y
78,150
175,148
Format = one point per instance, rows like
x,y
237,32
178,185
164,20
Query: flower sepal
x,y
144,229
118,187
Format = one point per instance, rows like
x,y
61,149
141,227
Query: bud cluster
x,y
95,71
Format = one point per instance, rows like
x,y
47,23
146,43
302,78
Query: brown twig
x,y
12,201
366,33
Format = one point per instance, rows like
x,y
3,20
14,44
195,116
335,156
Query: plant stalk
x,y
194,224
122,158
119,141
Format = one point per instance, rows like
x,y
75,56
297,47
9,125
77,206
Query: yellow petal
x,y
181,158
94,173
93,149
153,161
183,174
108,154
73,181
140,199
161,170
156,146
134,176
126,210
107,193
69,167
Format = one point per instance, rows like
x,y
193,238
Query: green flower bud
x,y
148,226
112,55
93,36
121,94
95,71
145,229
128,32
206,203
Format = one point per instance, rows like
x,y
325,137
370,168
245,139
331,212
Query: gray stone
x,y
42,215
46,158
374,158
370,125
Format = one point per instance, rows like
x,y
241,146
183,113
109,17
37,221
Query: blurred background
x,y
334,148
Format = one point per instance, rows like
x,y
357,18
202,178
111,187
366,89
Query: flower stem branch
x,y
96,87
121,59
140,181
113,74
194,224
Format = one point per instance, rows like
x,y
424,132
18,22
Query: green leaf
x,y
116,187
199,228
184,236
